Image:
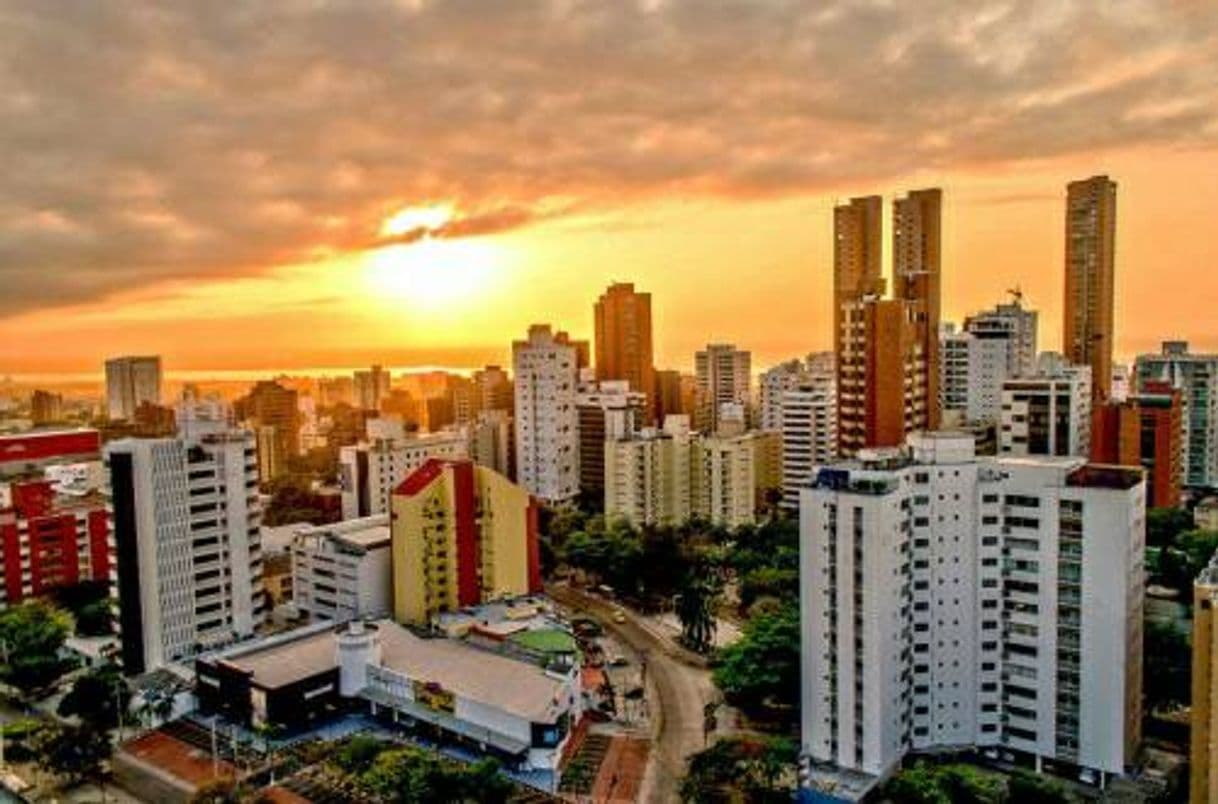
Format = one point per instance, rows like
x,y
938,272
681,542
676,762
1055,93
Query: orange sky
x,y
224,206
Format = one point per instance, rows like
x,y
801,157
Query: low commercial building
x,y
28,454
520,712
342,571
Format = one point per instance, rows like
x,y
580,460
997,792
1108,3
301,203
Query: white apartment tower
x,y
1049,413
647,474
185,517
955,602
723,378
1014,324
809,431
546,369
778,380
130,382
973,371
369,471
1196,377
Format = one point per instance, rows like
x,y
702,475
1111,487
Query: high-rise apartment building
x,y
546,370
776,381
493,389
1087,322
185,518
369,471
342,571
1048,413
1203,737
1144,430
272,412
45,408
1196,377
462,535
809,431
666,476
916,259
607,410
972,370
623,340
954,602
887,349
1016,326
370,388
131,381
49,539
858,257
490,441
669,397
723,378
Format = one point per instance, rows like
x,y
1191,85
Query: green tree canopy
x,y
96,697
761,669
31,635
73,752
742,769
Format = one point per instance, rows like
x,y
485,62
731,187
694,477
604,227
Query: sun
x,y
422,218
433,274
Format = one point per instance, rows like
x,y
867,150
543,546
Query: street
x,y
681,692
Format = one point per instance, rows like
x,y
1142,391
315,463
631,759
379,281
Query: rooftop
x,y
366,532
1094,475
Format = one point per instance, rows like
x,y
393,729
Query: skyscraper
x,y
131,381
1087,325
887,349
187,549
623,340
546,369
371,387
916,257
857,256
723,376
271,411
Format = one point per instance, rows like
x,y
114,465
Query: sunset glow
x,y
416,219
432,273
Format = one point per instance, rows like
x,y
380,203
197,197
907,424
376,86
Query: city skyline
x,y
541,179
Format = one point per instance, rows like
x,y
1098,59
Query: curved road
x,y
681,691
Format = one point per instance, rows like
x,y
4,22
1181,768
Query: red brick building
x,y
1144,430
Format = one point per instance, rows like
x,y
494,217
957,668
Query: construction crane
x,y
1016,294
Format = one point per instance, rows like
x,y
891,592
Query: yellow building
x,y
462,535
1203,758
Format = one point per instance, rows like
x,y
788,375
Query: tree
x,y
31,635
411,774
97,697
73,752
696,605
1167,665
916,785
1032,788
740,769
776,582
359,752
761,670
1163,525
946,784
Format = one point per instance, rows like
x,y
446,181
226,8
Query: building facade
x,y
951,602
1015,325
1144,430
809,432
546,369
1203,714
185,516
622,320
1087,320
1047,414
462,535
607,410
272,412
1196,377
342,571
370,388
50,539
369,471
724,378
131,381
973,370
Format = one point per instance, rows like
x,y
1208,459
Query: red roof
x,y
52,444
422,477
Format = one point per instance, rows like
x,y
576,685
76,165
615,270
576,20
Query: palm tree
x,y
696,605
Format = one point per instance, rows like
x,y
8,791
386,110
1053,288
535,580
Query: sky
x,y
285,185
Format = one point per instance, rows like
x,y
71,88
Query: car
x,y
619,661
619,617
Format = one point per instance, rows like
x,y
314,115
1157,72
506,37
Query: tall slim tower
x,y
1087,326
130,382
623,340
858,266
916,222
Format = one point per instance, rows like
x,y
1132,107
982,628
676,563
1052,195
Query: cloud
x,y
145,142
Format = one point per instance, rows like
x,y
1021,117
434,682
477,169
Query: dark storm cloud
x,y
149,141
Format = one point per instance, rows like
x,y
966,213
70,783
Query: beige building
x,y
1203,757
665,477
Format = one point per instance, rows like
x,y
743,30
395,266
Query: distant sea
x,y
221,375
